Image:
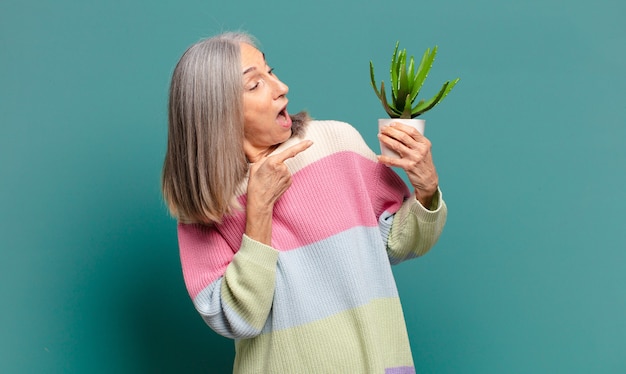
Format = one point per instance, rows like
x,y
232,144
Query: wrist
x,y
259,222
426,197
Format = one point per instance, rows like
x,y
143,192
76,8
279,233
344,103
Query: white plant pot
x,y
419,124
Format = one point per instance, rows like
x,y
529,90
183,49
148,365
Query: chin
x,y
287,135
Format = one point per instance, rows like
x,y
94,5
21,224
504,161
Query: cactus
x,y
406,84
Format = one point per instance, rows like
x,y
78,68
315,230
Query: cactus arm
x,y
394,72
422,71
389,108
425,106
373,80
382,96
424,59
428,105
407,113
404,90
411,70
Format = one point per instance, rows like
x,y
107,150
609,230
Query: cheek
x,y
247,106
252,108
252,119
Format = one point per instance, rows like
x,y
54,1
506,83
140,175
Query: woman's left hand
x,y
415,158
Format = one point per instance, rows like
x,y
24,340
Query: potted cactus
x,y
406,83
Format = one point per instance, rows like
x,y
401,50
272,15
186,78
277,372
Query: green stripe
x,y
332,345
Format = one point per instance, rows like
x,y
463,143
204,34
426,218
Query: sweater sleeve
x,y
233,292
415,229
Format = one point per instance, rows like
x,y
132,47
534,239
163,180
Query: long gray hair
x,y
205,162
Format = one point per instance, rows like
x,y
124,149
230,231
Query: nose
x,y
280,89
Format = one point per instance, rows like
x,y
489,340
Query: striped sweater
x,y
322,298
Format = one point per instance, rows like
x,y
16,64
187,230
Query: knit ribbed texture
x,y
322,298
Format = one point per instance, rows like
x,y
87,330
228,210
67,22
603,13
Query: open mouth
x,y
283,118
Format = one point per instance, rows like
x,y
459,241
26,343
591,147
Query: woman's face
x,y
266,121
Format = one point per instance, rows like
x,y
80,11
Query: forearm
x,y
237,304
259,222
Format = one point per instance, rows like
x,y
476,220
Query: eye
x,y
270,72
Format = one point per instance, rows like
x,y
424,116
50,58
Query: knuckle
x,y
413,132
274,164
424,152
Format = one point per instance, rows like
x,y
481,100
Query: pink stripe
x,y
204,256
334,194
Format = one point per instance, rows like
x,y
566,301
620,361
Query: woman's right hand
x,y
269,179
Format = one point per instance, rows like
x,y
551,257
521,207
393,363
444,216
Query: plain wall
x,y
528,277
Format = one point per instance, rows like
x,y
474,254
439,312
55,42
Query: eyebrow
x,y
251,68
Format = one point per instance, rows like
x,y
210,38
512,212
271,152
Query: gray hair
x,y
205,162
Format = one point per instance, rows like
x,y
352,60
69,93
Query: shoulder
x,y
330,139
337,136
332,127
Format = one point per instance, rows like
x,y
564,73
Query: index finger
x,y
413,131
293,150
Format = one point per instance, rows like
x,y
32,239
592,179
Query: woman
x,y
288,226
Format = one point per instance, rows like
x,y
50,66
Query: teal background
x,y
529,276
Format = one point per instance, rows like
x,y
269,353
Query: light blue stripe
x,y
343,272
219,316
